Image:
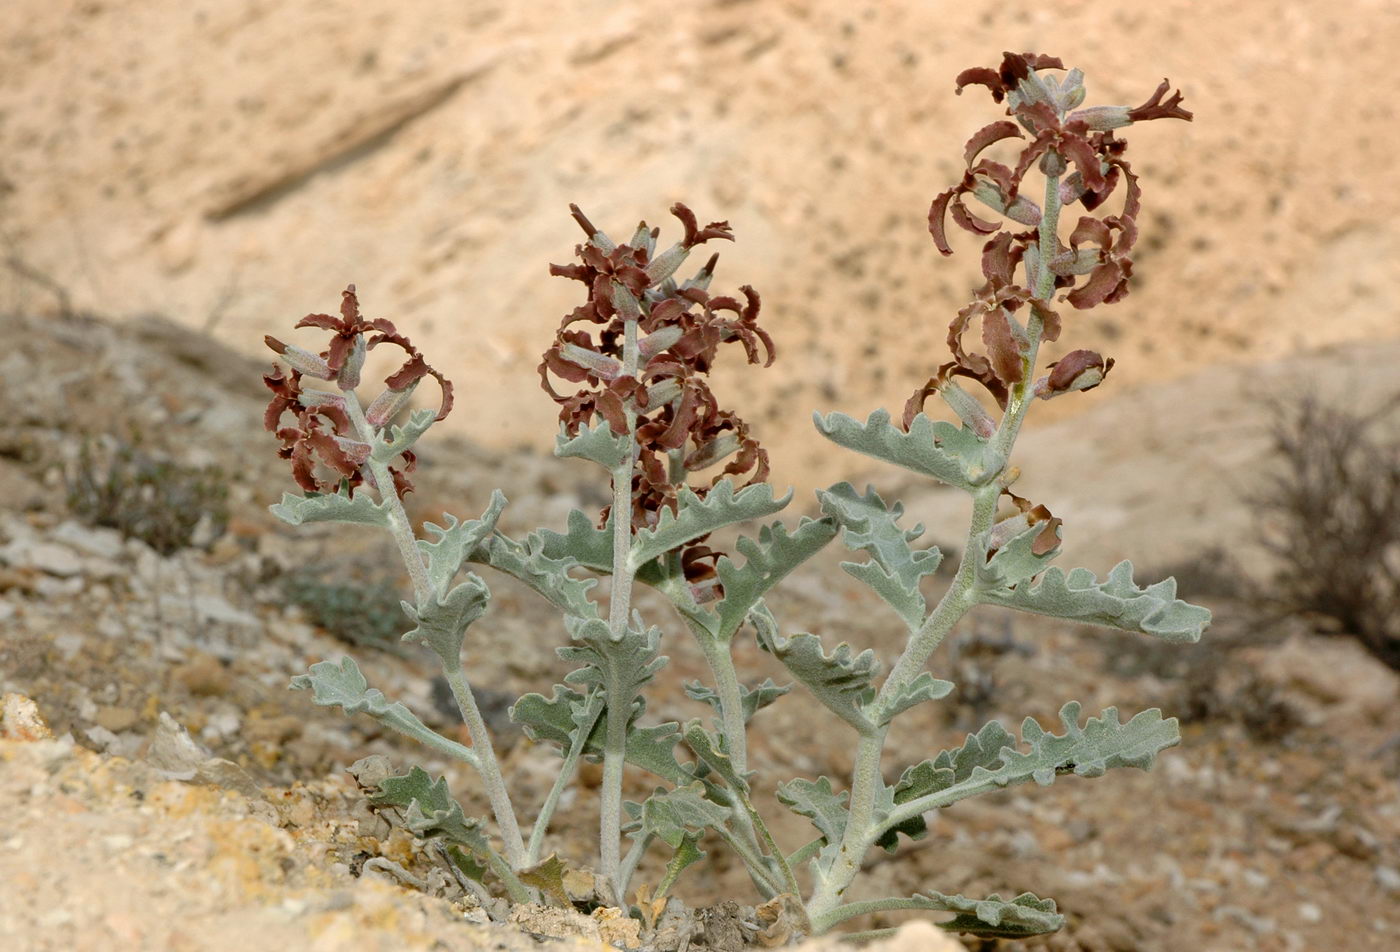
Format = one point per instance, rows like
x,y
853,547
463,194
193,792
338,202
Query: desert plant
x,y
1336,484
628,369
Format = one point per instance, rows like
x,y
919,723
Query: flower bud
x,y
1103,118
387,405
665,264
349,376
313,365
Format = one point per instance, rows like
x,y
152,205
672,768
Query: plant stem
x,y
731,699
551,802
619,605
866,781
490,771
488,768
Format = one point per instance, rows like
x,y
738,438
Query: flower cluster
x,y
679,426
1080,155
321,431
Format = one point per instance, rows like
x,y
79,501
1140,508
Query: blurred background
x,y
178,179
233,165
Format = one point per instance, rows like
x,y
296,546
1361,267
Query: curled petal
x,y
1003,347
694,235
1106,283
982,76
970,222
1077,370
937,215
1155,108
987,135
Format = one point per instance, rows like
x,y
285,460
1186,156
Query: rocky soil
x,y
161,788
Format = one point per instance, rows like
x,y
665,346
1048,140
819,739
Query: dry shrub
x,y
1332,518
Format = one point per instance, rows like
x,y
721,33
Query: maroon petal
x,y
1155,108
982,76
937,215
970,222
1103,281
987,135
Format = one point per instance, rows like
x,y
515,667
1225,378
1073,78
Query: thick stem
x,y
731,698
490,767
619,605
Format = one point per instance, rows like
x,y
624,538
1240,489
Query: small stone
x,y
90,540
116,719
47,557
20,720
1388,878
203,676
1309,912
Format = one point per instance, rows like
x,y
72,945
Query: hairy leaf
x,y
895,568
950,454
840,680
1015,561
582,542
676,815
767,562
709,753
598,444
342,685
620,667
722,506
430,810
441,625
1115,603
532,565
552,720
548,877
1089,751
752,701
817,802
402,438
331,507
923,688
994,917
455,543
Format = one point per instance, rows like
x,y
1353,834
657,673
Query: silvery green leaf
x,y
554,720
923,688
950,454
895,568
767,562
582,541
548,877
1115,603
817,802
402,438
752,701
1087,751
531,564
840,680
598,444
722,506
455,544
620,666
1015,561
342,685
430,810
709,753
331,507
682,813
994,917
441,624
949,767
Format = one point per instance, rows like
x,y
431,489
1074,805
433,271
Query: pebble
x,y
1310,912
1388,878
116,719
90,540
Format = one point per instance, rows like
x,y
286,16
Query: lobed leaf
x,y
455,543
767,562
817,802
695,517
680,814
342,685
895,568
553,720
1015,561
950,454
331,507
582,542
430,810
597,444
1114,603
530,563
1088,751
402,438
751,701
442,623
840,680
994,917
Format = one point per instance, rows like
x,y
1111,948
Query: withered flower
x,y
680,428
321,431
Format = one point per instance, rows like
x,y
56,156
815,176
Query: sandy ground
x,y
233,165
